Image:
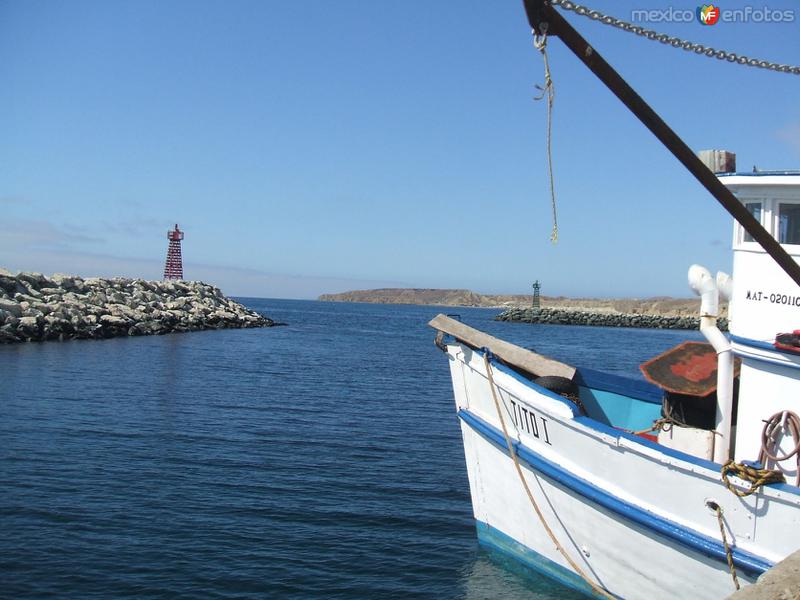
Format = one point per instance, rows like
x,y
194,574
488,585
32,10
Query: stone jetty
x,y
63,307
556,316
781,582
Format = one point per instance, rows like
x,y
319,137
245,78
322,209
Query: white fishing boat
x,y
683,486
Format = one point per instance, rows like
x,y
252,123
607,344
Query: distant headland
x,y
661,305
661,312
34,307
440,297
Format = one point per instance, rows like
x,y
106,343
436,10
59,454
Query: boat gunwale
x,y
711,470
768,347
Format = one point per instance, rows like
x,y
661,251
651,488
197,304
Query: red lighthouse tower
x,y
174,267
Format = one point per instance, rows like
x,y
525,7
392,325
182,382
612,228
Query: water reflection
x,y
492,574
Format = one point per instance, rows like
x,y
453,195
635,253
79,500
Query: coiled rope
x,y
757,477
595,587
784,421
754,476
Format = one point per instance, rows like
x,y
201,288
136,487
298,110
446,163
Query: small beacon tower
x,y
173,269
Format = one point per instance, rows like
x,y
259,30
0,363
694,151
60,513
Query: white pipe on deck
x,y
703,284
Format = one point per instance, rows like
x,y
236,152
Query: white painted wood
x,y
697,442
527,360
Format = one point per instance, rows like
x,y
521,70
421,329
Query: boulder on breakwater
x,y
37,308
576,317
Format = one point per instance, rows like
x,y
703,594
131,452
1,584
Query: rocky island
x,y
660,312
62,307
437,297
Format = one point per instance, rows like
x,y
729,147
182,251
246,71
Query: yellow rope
x,y
755,477
657,424
599,590
728,554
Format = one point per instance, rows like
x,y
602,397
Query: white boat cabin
x,y
764,304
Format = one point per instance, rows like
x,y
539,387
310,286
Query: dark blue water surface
x,y
318,460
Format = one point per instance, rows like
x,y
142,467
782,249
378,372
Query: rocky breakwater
x,y
62,307
603,319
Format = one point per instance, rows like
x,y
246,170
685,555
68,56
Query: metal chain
x,y
674,41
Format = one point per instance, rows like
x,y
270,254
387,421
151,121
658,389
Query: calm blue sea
x,y
318,460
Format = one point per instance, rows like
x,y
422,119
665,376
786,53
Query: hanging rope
x,y
728,553
659,424
548,91
599,590
667,422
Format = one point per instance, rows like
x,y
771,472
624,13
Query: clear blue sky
x,y
319,146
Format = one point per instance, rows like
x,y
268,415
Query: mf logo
x,y
708,14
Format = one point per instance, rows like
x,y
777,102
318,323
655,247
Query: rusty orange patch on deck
x,y
688,368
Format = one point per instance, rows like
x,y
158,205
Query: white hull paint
x,y
631,513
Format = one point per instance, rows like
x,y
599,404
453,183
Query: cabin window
x,y
754,208
789,223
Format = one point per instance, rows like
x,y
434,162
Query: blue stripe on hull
x,y
745,561
743,341
497,540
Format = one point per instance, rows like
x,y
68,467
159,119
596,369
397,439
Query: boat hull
x,y
632,515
